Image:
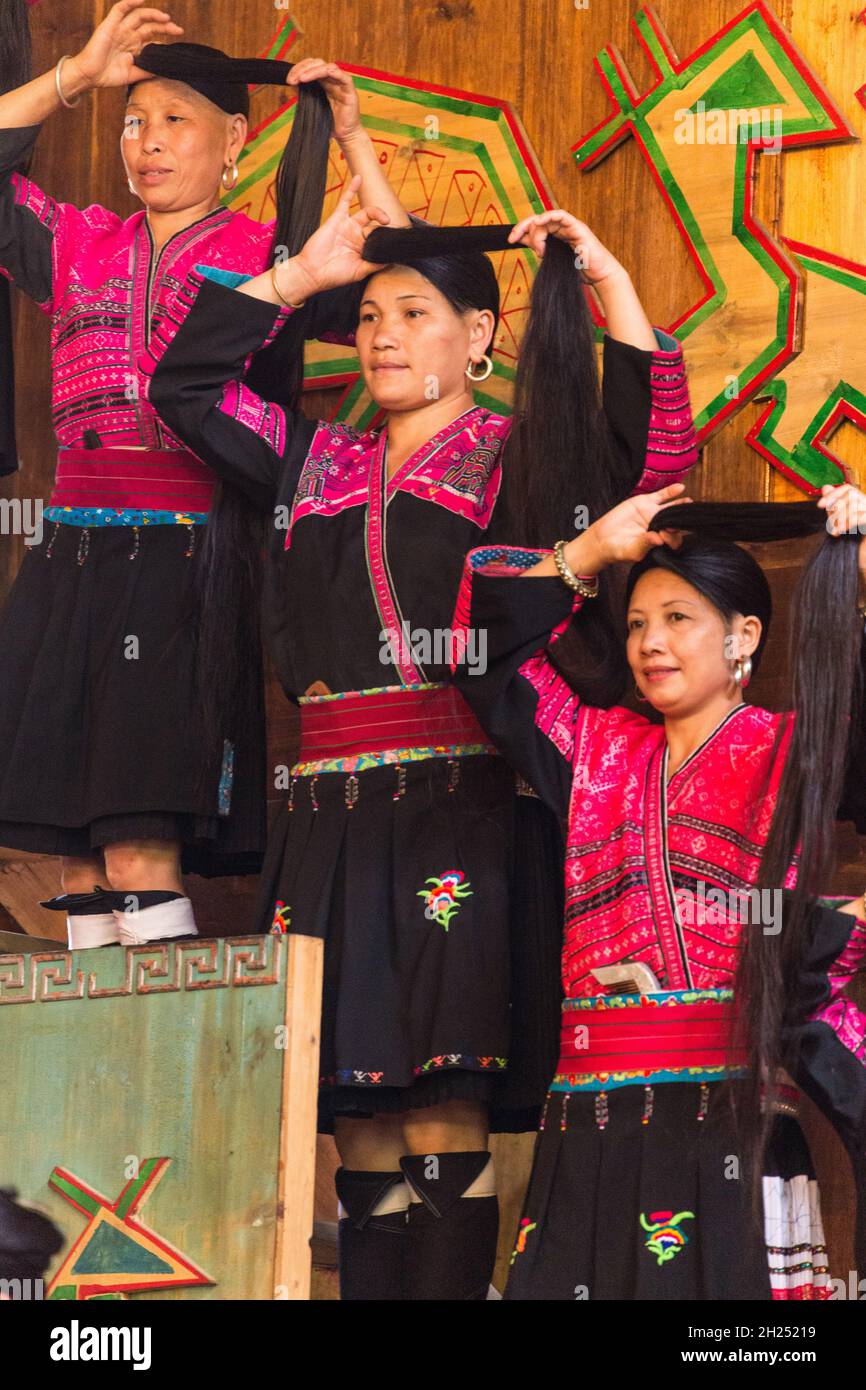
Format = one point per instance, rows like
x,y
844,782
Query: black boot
x,y
451,1249
371,1248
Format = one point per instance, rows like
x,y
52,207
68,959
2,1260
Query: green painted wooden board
x,y
118,1055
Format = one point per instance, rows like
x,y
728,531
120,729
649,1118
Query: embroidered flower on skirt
x,y
443,898
665,1238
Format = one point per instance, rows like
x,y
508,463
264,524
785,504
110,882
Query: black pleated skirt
x,y
99,739
412,889
634,1196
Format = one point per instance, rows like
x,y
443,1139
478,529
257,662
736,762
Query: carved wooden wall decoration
x,y
700,125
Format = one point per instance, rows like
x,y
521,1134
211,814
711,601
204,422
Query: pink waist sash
x,y
360,722
156,479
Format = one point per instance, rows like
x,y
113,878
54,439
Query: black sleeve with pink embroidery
x,y
526,707
194,373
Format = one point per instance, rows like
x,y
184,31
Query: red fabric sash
x,y
649,1038
158,479
378,721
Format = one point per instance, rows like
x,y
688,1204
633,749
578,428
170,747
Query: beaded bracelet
x,y
584,584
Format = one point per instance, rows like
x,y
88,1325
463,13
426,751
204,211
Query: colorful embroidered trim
x,y
444,897
362,762
611,1081
374,690
353,1077
109,516
645,1001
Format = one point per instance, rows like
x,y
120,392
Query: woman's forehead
x,y
154,91
659,585
394,280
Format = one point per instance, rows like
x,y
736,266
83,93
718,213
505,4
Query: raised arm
x,y
513,604
528,709
644,387
107,60
34,229
357,147
194,373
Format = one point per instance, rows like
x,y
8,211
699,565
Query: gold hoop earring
x,y
235,175
487,370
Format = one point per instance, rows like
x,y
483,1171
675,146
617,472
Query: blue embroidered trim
x,y
230,278
505,554
575,1083
224,795
665,341
111,516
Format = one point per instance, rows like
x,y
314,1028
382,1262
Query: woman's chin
x,y
393,394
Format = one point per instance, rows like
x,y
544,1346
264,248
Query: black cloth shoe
x,y
371,1249
451,1248
107,900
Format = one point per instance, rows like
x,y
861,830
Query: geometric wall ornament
x,y
117,1254
767,325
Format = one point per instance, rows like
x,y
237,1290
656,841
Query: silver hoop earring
x,y
487,370
743,672
235,175
132,188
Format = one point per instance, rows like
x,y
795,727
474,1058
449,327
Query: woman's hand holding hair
x,y
593,259
108,58
332,256
339,88
621,306
351,135
621,534
845,506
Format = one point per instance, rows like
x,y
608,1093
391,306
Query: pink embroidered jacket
x,y
354,552
106,290
658,871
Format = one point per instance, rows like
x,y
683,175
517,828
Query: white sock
x,y
485,1184
159,923
395,1199
98,929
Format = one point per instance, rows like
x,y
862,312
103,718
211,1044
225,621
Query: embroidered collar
x,y
668,782
452,430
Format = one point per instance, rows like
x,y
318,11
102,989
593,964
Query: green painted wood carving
x,y
766,326
119,1054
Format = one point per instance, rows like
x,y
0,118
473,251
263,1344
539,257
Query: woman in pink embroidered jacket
x,y
396,839
683,893
102,758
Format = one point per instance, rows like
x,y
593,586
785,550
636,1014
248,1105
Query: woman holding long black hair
x,y
695,951
102,756
395,839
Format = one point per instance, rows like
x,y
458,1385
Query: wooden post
x,y
296,1180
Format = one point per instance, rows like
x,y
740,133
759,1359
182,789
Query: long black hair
x,y
826,649
229,569
16,58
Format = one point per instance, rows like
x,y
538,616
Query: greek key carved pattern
x,y
48,977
